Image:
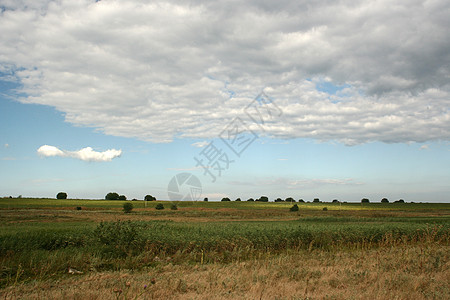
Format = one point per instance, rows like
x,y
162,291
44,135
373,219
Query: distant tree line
x,y
116,196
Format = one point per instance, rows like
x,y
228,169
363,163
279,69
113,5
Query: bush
x,y
122,197
149,198
365,200
173,207
289,199
263,199
118,238
316,200
301,201
384,200
112,196
251,199
335,201
61,195
294,207
206,199
399,201
127,207
238,199
159,206
325,209
279,200
78,208
225,199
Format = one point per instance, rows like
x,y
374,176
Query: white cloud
x,y
86,154
298,183
171,69
200,144
424,147
6,145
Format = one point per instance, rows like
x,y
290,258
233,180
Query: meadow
x,y
217,250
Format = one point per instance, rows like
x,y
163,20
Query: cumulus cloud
x,y
86,154
182,69
6,145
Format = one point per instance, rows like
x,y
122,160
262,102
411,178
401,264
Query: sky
x,y
305,99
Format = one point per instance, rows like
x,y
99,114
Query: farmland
x,y
208,250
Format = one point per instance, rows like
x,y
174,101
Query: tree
x,y
149,198
301,201
225,199
61,195
384,200
294,208
263,199
122,197
316,200
251,199
112,196
127,207
335,201
289,199
206,199
279,200
365,200
399,201
238,199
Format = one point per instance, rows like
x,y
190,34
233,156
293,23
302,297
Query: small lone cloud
x,y
86,154
6,145
282,159
424,147
200,144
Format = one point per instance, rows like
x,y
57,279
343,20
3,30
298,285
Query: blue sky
x,y
104,96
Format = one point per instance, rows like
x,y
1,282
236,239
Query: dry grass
x,y
419,271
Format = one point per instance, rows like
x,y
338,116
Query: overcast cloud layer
x,y
177,69
86,154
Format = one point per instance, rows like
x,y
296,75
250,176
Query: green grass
x,y
40,238
13,203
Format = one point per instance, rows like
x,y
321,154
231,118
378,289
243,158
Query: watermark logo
x,y
184,187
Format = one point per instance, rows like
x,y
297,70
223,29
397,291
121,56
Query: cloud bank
x,y
86,154
350,71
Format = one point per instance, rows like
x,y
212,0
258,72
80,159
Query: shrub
x,y
335,201
238,199
122,197
149,198
384,200
112,196
173,207
325,209
78,208
289,199
294,207
159,206
61,195
251,199
400,201
225,199
365,200
206,199
316,200
301,201
279,200
127,207
118,238
263,199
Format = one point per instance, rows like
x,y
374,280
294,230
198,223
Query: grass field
x,y
216,250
